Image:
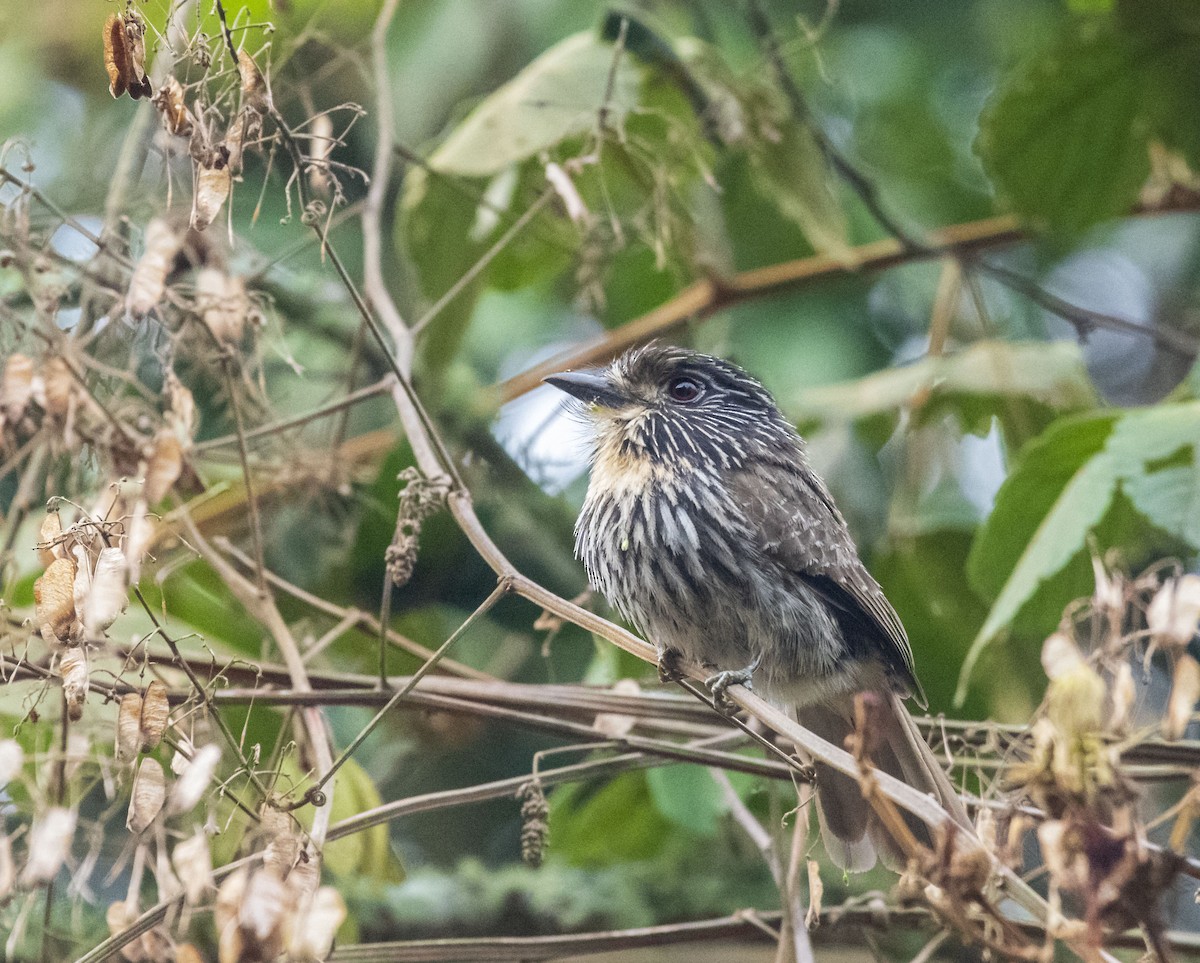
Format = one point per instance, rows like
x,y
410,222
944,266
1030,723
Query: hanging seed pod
x,y
50,539
146,799
155,712
223,305
534,827
8,867
149,279
125,55
194,780
60,387
1185,693
16,388
163,466
49,842
314,929
54,599
1174,613
192,860
254,88
108,594
177,119
213,184
74,669
129,726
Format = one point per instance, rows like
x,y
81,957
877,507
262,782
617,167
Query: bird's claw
x,y
669,668
723,680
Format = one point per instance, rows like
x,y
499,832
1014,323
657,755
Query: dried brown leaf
x,y
125,55
75,680
169,100
254,88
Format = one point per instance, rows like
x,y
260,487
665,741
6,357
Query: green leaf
x,y
557,96
687,796
1062,137
616,823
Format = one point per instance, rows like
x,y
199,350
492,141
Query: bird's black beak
x,y
593,387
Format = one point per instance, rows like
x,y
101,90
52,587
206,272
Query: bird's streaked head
x,y
671,404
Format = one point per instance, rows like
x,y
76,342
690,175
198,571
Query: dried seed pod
x,y
60,387
320,145
129,726
75,680
108,594
125,55
1124,698
8,867
534,825
50,545
314,929
186,953
222,303
155,713
49,842
1174,613
192,860
169,100
139,536
194,779
1185,693
182,413
146,799
816,890
250,915
213,184
12,758
254,88
16,388
54,599
149,279
163,466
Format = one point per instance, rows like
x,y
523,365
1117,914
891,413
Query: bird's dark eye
x,y
684,389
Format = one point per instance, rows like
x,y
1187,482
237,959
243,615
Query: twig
x,y
256,532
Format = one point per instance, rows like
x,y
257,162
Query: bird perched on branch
x,y
705,526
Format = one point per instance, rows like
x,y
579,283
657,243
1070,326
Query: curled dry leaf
x,y
125,55
150,276
16,389
129,726
313,931
1185,693
49,842
1174,613
12,758
155,712
192,860
194,779
222,303
50,544
109,592
816,890
212,188
169,100
54,599
146,799
163,465
75,675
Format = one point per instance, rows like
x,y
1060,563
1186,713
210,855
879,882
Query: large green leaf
x,y
557,96
1063,486
687,796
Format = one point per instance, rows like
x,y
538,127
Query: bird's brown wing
x,y
803,530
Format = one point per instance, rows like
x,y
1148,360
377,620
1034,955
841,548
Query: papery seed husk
x,y
1124,698
254,88
195,779
169,100
109,592
186,953
223,305
50,544
116,59
54,597
16,387
316,928
282,852
260,915
816,890
1185,693
129,726
12,758
81,586
135,47
60,387
49,842
146,799
156,710
164,466
139,535
192,859
212,188
8,867
182,414
149,278
229,899
320,145
1060,655
1174,612
75,680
